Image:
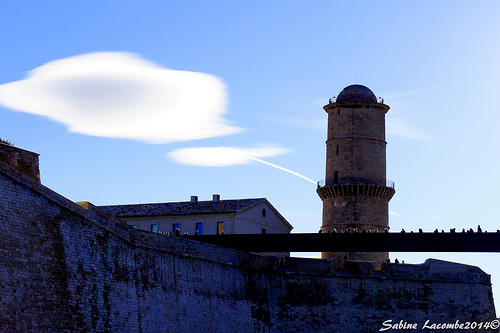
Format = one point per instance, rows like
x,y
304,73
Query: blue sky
x,y
257,74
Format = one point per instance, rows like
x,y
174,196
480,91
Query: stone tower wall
x,y
64,268
354,193
359,132
360,212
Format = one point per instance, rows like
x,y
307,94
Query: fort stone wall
x,y
67,268
23,160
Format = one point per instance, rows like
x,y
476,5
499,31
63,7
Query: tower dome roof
x,y
356,93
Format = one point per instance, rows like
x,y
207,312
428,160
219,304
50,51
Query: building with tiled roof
x,y
216,216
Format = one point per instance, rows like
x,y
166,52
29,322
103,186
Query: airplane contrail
x,y
284,169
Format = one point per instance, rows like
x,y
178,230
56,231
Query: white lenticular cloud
x,y
223,156
120,95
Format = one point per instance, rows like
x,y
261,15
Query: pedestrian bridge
x,y
357,242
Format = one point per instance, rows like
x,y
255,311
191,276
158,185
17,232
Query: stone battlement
x,y
23,160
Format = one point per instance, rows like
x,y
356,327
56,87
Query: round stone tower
x,y
355,192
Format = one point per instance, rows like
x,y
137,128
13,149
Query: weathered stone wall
x,y
23,160
64,268
356,144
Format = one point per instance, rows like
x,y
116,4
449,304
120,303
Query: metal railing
x,y
333,99
356,181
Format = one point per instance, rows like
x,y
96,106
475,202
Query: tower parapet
x,y
356,192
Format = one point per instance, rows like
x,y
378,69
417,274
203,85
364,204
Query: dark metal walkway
x,y
358,242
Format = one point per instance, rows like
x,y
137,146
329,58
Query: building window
x,y
337,150
199,228
176,226
336,177
264,231
154,227
220,228
264,212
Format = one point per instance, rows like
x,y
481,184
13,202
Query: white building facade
x,y
234,216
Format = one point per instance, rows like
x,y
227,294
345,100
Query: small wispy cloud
x,y
314,123
223,156
120,95
393,213
436,217
400,94
230,156
402,127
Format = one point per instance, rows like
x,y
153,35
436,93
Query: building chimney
x,y
194,199
216,198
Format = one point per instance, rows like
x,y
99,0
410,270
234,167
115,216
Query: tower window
x,y
264,212
154,227
336,177
337,150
